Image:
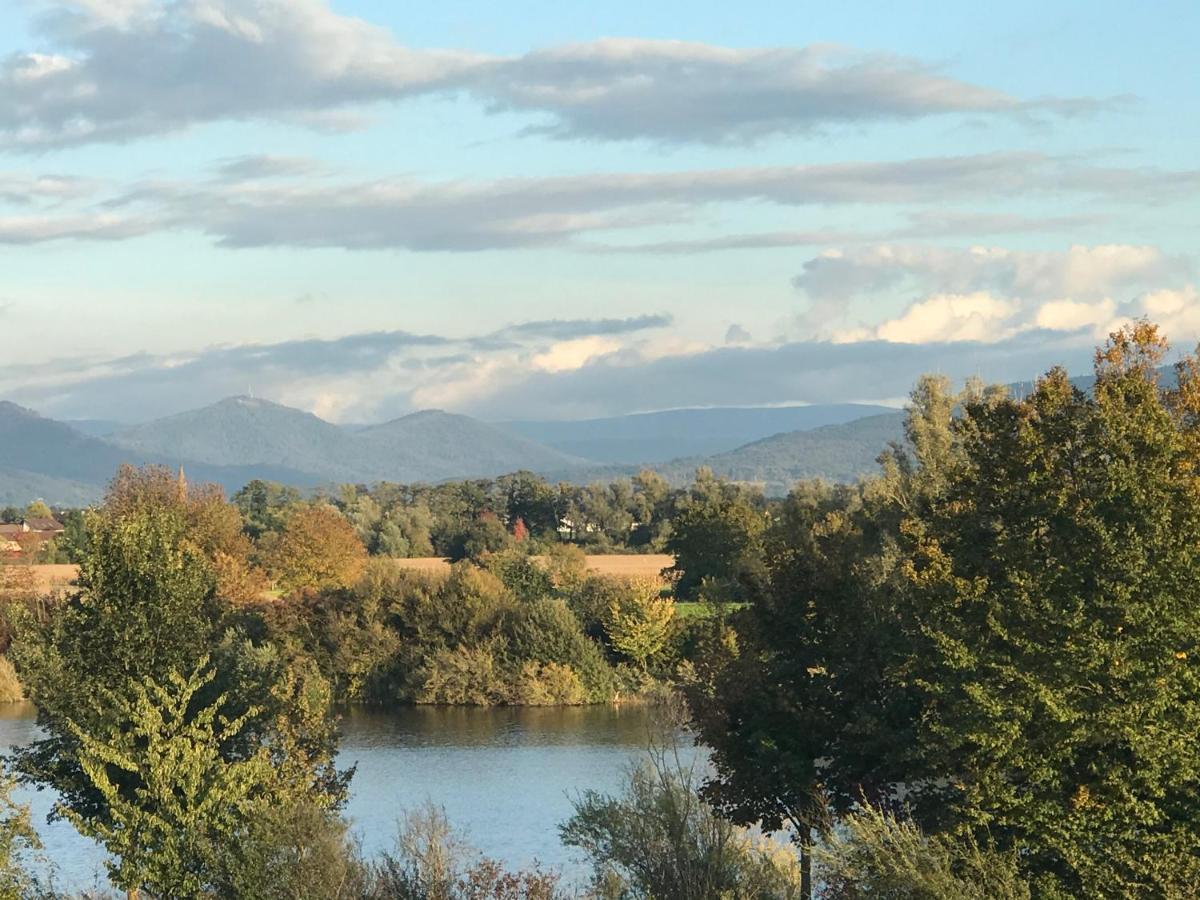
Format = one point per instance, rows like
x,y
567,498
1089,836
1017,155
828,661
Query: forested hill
x,y
660,437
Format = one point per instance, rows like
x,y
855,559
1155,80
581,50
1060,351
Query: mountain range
x,y
242,438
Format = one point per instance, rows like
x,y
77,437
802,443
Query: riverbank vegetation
x,y
975,674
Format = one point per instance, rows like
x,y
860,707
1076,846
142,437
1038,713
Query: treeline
x,y
462,518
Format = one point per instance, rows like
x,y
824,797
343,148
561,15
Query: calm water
x,y
504,775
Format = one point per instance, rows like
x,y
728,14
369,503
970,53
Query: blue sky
x,y
563,210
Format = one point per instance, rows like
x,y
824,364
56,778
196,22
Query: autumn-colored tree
x,y
318,548
520,532
210,523
639,620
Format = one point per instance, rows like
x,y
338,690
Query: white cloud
x,y
121,69
574,354
1079,271
944,317
1073,315
1177,311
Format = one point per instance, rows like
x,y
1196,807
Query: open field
x,y
58,578
625,564
52,579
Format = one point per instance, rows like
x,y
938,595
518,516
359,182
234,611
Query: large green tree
x,y
1056,590
999,630
717,534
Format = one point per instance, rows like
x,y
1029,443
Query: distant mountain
x,y
425,446
835,453
19,488
433,446
50,460
33,444
244,431
663,436
96,427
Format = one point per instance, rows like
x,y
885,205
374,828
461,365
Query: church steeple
x,y
183,486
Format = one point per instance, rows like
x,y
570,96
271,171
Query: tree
x,y
485,536
147,613
317,549
187,801
717,533
38,510
803,702
19,844
639,620
265,506
1056,584
529,498
1003,623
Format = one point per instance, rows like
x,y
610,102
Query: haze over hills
x,y
248,432
43,458
671,434
835,453
241,438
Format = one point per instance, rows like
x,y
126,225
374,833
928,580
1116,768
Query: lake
x,y
506,776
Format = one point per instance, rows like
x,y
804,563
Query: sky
x,y
564,210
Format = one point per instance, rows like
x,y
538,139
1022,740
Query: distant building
x,y
35,532
50,528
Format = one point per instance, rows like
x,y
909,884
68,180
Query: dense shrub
x,y
10,685
875,854
463,675
522,574
658,839
548,684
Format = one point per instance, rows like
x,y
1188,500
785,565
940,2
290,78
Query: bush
x,y
566,565
432,861
521,574
294,852
548,632
465,676
659,839
592,599
549,684
638,622
877,855
10,685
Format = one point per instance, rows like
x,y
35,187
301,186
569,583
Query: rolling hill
x,y
836,453
659,437
50,460
433,446
243,431
425,446
241,438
